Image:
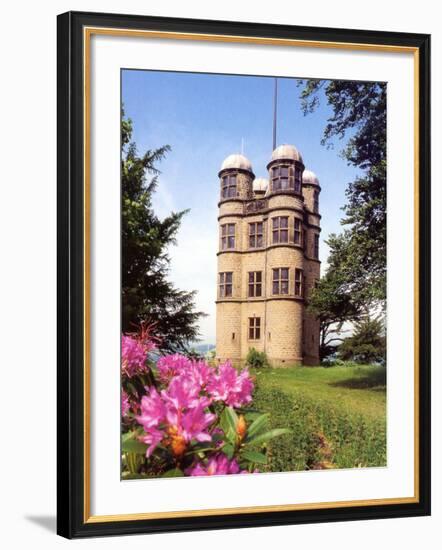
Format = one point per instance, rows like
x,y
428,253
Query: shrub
x,y
183,417
257,359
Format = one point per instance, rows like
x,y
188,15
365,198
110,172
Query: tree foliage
x,y
367,344
331,301
147,294
359,113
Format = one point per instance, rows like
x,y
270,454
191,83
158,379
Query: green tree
x,y
331,302
367,344
359,113
147,294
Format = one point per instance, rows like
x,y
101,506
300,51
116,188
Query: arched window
x,y
228,186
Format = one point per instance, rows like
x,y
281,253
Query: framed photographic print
x,y
243,274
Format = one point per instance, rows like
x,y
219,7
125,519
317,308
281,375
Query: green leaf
x,y
251,416
133,446
261,438
133,462
232,418
175,472
217,437
229,420
258,425
228,450
132,388
201,449
254,456
128,435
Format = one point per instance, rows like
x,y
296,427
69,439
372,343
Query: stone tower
x,y
268,260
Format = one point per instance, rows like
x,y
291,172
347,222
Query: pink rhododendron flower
x,y
172,365
182,392
153,410
195,422
152,438
200,373
177,414
197,470
185,412
135,349
234,388
217,465
133,355
125,405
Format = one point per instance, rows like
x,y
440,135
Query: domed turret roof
x,y
286,152
260,185
237,162
310,177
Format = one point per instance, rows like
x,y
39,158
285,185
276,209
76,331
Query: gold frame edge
x,y
87,33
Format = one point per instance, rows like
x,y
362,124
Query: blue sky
x,y
204,118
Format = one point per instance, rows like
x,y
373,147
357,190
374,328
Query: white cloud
x,y
163,200
193,266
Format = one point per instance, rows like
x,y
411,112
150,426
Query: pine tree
x,y
367,344
147,294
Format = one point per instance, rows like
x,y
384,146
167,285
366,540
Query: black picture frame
x,y
71,396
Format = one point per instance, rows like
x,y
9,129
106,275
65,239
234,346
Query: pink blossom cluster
x,y
174,416
217,465
222,383
179,414
233,388
134,353
125,405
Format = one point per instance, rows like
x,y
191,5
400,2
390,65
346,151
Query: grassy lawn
x,y
359,389
337,416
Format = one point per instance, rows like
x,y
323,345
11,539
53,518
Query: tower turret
x,y
236,186
285,256
311,190
260,187
236,177
285,170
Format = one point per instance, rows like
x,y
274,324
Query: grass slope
x,y
337,416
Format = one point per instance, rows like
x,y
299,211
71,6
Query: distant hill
x,y
202,348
